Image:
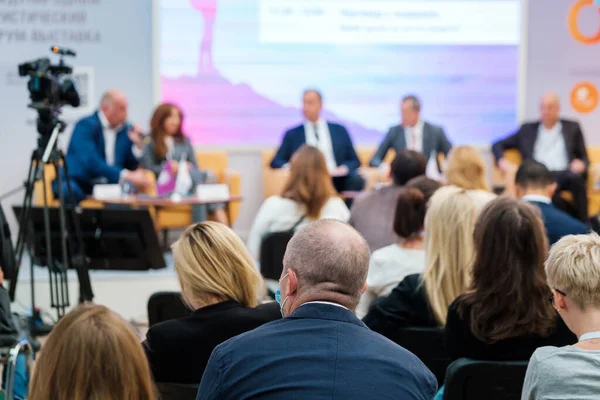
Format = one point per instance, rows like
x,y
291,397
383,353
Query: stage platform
x,y
126,292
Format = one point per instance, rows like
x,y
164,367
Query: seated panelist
x,y
103,149
332,139
412,134
556,143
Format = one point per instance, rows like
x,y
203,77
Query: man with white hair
x,y
320,349
559,145
103,149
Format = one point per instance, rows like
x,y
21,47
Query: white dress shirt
x,y
550,148
414,137
110,140
321,140
538,198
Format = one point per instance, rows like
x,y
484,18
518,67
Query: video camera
x,y
49,88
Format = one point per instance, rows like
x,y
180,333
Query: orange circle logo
x,y
574,25
584,97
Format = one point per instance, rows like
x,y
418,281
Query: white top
x,y
170,143
388,267
321,140
538,198
550,148
110,140
414,136
278,214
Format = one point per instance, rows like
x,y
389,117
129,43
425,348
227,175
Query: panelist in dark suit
x,y
412,134
332,139
102,149
320,350
556,143
535,184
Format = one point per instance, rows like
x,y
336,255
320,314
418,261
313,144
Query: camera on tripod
x,y
50,88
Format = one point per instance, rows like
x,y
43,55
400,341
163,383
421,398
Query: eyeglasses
x,y
551,298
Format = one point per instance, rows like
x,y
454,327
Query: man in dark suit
x,y
320,349
535,184
412,134
556,143
332,139
102,149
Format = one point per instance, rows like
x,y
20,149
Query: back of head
x,y
92,354
533,175
408,164
466,169
410,213
572,267
309,182
425,185
213,265
449,250
330,260
508,295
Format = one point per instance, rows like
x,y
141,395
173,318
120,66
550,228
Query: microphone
x,y
62,51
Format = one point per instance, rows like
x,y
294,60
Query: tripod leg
x,y
85,286
49,259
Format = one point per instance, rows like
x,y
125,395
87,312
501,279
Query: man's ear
x,y
292,282
551,189
559,301
519,192
364,288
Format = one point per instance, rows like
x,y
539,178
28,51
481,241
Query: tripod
x,y
71,241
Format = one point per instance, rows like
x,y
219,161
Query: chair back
x,y
468,379
429,345
163,306
272,250
177,391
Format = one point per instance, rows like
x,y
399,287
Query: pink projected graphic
x,y
237,69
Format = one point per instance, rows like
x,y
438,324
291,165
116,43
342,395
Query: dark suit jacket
x,y
178,350
461,342
406,306
343,149
434,139
320,351
86,157
524,141
559,223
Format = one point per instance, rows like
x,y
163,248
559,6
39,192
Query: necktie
x,y
316,129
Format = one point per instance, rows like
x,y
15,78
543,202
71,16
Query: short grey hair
x,y
330,256
415,102
315,91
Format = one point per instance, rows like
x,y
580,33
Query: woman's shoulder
x,y
337,208
278,201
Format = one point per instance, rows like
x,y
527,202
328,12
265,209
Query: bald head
x,y
329,261
549,109
114,107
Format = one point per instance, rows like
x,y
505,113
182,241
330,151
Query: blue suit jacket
x,y
559,224
343,149
86,157
321,351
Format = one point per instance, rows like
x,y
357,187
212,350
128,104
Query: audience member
x,y
320,349
103,149
391,264
168,144
413,134
505,315
557,143
466,169
535,184
571,372
370,213
92,353
308,195
221,284
331,139
423,299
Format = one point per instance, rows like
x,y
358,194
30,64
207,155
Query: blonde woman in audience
x,y
571,372
466,169
423,299
391,264
308,195
221,284
92,354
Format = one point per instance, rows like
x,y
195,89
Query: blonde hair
x,y
449,247
92,354
212,262
573,267
466,169
309,182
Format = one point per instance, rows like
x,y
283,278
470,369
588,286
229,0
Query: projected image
x,y
238,67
